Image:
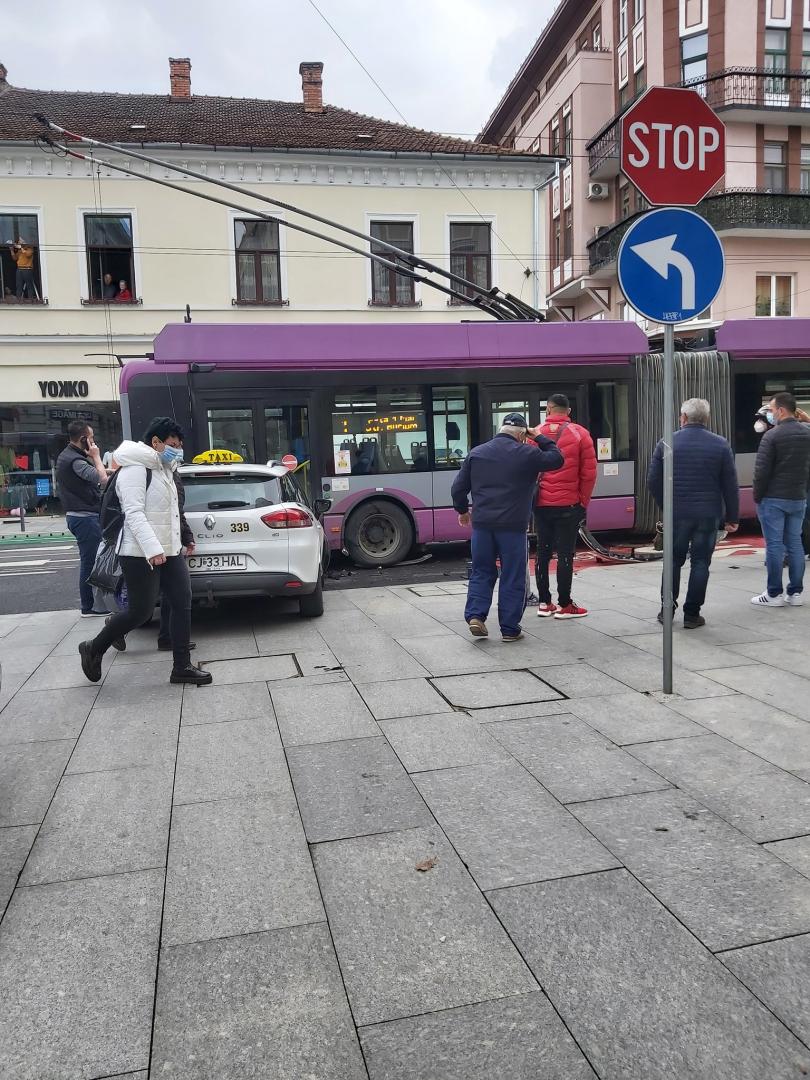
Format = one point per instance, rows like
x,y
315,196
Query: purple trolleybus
x,y
379,416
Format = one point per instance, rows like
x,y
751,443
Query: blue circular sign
x,y
670,265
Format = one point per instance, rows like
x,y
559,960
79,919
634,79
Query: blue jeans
x,y
696,538
87,531
781,521
488,545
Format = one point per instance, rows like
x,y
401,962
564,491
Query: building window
x,y
774,295
624,201
379,430
596,33
20,277
622,19
568,135
804,172
776,59
110,265
557,242
554,143
806,50
470,253
640,82
694,57
258,262
388,288
775,173
638,10
568,234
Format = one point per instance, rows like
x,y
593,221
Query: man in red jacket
x,y
562,500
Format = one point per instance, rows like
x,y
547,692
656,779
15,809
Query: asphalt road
x,y
43,576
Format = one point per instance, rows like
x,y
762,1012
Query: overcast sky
x,y
443,63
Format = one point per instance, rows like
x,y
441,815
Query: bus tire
x,y
378,533
311,605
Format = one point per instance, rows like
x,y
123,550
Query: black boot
x,y
91,661
191,673
120,643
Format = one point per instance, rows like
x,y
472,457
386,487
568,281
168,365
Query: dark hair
x,y
784,400
560,400
163,427
76,429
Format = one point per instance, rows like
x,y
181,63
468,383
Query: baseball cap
x,y
514,419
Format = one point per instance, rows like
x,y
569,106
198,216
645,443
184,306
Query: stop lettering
x,y
673,146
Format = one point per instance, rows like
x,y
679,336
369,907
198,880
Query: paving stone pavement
x,y
377,848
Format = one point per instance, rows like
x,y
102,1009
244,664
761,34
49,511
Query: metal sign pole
x,y
666,591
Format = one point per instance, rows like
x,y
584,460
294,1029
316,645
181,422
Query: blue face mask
x,y
769,417
171,454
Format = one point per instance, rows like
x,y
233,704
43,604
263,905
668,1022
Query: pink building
x,y
751,61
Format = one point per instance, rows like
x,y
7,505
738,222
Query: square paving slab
x,y
402,697
580,680
506,828
229,761
15,843
756,797
46,715
572,760
521,1038
127,737
795,853
103,823
632,717
449,654
352,788
77,964
29,773
237,867
266,1005
441,741
640,995
789,693
779,974
252,669
230,702
495,688
409,940
321,712
722,885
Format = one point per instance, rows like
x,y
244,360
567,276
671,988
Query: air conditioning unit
x,y
598,190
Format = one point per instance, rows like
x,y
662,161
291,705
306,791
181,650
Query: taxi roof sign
x,y
217,457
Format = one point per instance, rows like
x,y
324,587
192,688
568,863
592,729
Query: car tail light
x,y
289,518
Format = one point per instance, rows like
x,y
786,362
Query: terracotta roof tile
x,y
216,121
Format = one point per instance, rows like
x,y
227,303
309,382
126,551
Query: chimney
x,y
180,76
312,85
3,73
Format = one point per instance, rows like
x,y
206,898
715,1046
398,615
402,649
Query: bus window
x,y
751,391
379,430
500,409
286,429
609,408
451,425
231,429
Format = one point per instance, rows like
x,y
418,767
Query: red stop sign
x,y
290,461
673,146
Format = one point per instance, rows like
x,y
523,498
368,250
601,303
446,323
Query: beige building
x,y
750,59
113,259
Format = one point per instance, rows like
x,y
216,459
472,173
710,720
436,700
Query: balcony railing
x,y
735,88
738,209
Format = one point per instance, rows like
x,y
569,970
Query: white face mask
x,y
760,427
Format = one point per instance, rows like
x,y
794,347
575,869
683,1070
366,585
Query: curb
x,y
27,538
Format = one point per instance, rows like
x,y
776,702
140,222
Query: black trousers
x,y
557,528
144,585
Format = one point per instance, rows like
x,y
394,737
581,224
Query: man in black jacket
x,y
705,493
781,482
501,475
81,478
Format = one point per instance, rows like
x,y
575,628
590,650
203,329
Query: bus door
x,y
272,426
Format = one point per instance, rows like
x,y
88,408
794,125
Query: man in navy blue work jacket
x,y
501,475
705,494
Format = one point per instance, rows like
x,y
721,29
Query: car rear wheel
x,y
379,534
312,605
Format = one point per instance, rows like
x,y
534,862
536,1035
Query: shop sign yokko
x,y
64,388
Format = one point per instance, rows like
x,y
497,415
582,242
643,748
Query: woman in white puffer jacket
x,y
150,549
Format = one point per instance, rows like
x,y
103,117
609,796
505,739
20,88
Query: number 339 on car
x,y
240,527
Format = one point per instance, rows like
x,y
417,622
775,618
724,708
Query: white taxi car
x,y
255,534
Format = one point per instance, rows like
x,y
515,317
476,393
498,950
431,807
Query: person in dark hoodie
x,y
501,475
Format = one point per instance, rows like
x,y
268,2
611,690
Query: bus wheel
x,y
378,534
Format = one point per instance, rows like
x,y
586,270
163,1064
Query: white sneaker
x,y
764,600
794,599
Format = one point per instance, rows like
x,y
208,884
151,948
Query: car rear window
x,y
230,491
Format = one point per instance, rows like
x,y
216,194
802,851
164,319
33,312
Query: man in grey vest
x,y
81,478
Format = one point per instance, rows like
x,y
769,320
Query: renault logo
x,y
209,521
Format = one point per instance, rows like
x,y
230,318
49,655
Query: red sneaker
x,y
571,611
546,610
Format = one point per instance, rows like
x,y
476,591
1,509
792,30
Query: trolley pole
x,y
666,590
